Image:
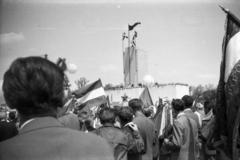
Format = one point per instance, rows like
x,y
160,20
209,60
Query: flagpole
x,y
128,36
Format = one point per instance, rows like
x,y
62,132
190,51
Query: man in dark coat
x,y
125,116
146,128
34,86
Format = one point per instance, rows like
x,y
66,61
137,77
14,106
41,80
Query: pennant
x,y
145,97
132,27
90,95
227,109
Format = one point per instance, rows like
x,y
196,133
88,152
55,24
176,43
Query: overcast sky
x,y
183,39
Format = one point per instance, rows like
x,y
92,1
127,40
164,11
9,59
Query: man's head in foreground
x,y
34,86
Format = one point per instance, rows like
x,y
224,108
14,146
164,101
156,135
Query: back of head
x,y
147,111
178,105
107,115
125,114
188,101
208,105
34,86
135,104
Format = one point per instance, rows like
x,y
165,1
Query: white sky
x,y
183,39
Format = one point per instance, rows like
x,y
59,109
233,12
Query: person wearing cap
x,y
183,144
34,86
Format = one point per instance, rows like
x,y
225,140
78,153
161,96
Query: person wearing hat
x,y
183,144
34,86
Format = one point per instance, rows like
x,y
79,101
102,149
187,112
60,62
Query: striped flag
x,y
227,109
90,95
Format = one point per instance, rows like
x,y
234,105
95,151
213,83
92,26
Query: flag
x,y
132,27
145,97
62,63
227,106
90,95
66,108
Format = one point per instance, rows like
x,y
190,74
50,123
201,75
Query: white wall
x,y
169,91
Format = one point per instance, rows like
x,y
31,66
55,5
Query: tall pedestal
x,y
135,65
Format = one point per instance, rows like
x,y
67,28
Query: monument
x,y
135,65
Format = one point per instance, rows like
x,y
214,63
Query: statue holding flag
x,y
131,28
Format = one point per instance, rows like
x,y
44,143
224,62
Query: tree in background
x,y
108,86
81,82
66,84
199,93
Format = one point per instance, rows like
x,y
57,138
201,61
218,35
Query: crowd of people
x,y
33,89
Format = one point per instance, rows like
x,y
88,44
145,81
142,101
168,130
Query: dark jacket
x,y
7,130
119,141
148,132
46,139
135,153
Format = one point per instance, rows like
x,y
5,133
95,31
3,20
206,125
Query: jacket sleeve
x,y
177,137
136,144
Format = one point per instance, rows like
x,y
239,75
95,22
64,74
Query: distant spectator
x,y
188,103
146,128
147,112
184,140
125,115
118,140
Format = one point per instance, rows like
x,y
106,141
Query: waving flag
x,y
228,93
145,97
132,27
90,95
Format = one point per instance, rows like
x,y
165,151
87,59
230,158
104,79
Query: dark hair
x,y
107,115
116,109
12,115
178,104
135,104
34,86
125,114
147,111
188,101
209,104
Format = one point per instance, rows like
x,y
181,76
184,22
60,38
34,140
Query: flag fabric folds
x,y
90,95
228,93
145,97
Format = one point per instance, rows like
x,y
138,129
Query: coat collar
x,y
41,122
